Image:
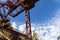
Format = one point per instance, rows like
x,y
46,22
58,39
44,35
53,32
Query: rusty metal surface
x,y
4,21
26,4
28,25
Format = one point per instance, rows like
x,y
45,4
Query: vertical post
x,y
28,25
15,37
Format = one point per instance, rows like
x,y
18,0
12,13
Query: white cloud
x,y
14,25
22,27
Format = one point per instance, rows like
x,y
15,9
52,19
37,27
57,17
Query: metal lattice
x,y
5,28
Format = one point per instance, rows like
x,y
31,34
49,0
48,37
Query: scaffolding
x,y
5,27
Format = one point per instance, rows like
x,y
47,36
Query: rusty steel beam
x,y
30,4
13,6
10,4
15,32
28,25
16,5
25,5
22,9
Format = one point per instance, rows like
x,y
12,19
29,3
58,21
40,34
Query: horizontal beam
x,y
4,36
22,9
15,32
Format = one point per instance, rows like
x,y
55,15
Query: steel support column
x,y
28,25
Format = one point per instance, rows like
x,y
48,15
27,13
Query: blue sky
x,y
42,11
45,19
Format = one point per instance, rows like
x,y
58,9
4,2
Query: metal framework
x,y
26,5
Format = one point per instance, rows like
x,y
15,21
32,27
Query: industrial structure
x,y
6,31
